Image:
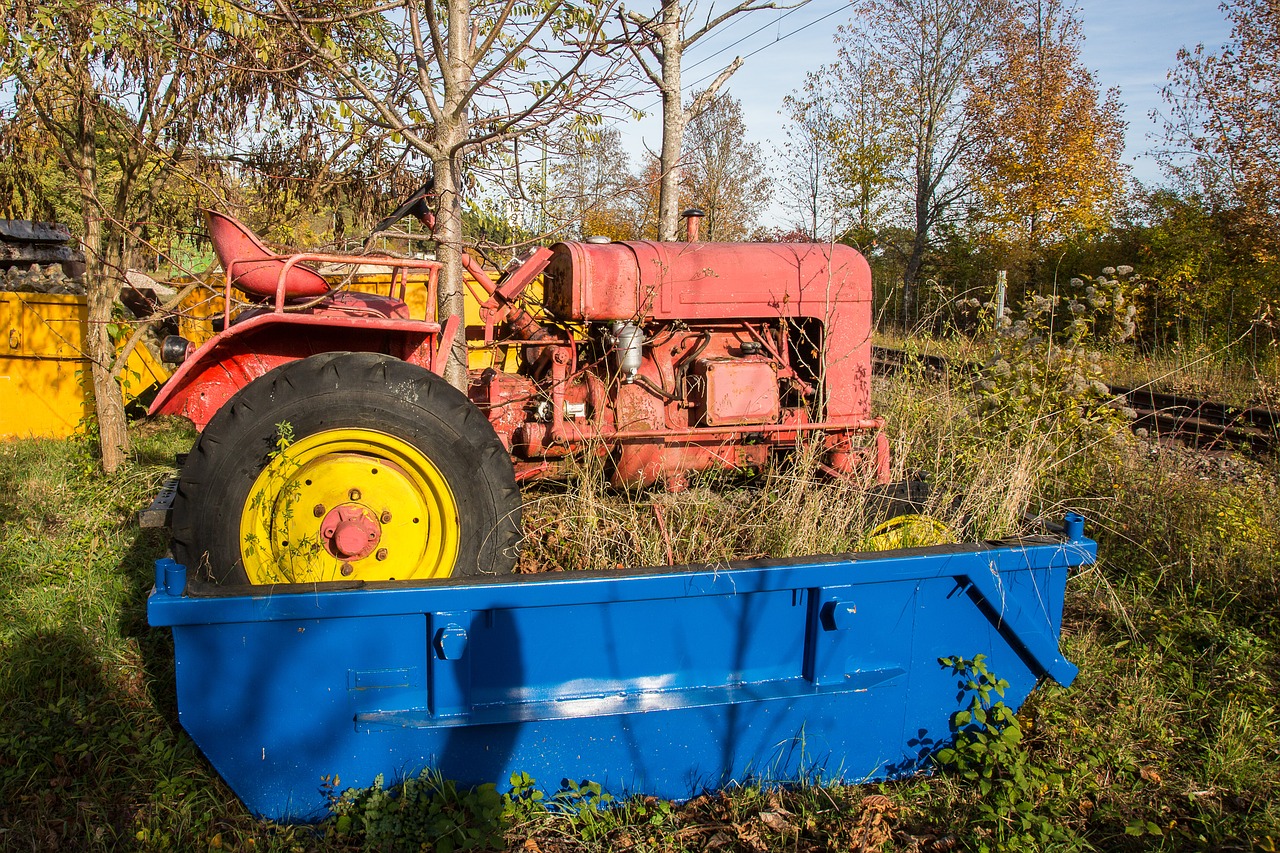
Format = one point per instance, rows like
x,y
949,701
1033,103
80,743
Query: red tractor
x,y
332,448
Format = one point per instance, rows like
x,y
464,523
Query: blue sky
x,y
1131,45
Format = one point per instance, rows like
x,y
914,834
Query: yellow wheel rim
x,y
349,504
906,531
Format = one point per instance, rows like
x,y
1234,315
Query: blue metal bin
x,y
663,681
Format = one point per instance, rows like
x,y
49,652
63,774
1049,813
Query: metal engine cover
x,y
650,282
737,391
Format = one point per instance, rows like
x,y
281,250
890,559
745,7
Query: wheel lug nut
x,y
382,554
318,510
386,516
347,569
354,494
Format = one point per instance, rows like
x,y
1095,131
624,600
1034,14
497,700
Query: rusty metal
x,y
263,275
692,222
350,532
252,346
679,357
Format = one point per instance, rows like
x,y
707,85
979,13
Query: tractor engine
x,y
671,358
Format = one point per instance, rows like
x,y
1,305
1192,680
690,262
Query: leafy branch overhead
x,y
132,99
452,82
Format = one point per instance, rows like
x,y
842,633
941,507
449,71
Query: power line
x,y
830,14
781,38
732,23
744,38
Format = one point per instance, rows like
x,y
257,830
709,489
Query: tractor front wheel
x,y
346,466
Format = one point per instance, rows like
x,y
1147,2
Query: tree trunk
x,y
449,133
674,119
101,289
910,284
450,301
102,286
915,260
113,432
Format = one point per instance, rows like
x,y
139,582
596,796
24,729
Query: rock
x,y
140,280
36,279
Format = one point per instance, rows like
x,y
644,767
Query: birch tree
x,y
843,150
593,190
805,158
658,40
724,175
932,48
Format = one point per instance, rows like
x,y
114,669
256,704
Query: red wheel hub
x,y
350,532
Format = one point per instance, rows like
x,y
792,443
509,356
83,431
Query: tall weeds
x,y
980,487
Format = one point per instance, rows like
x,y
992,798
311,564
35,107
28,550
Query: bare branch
x,y
745,6
704,98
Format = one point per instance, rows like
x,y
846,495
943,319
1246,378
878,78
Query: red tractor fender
x,y
210,376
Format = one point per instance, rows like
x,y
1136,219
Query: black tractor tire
x,y
344,394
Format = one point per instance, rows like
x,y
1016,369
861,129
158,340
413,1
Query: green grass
x,y
1168,740
91,756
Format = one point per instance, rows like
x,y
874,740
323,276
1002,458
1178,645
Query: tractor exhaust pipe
x,y
692,222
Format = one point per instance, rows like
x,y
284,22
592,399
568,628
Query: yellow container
x,y
45,386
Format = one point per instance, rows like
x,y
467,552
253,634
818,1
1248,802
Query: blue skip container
x,y
663,681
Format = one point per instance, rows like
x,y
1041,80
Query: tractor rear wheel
x,y
346,466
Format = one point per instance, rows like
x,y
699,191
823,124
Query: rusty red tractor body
x,y
662,358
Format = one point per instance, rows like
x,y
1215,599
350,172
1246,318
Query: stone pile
x,y
36,279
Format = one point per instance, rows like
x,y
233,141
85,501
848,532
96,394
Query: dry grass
x,y
1235,374
1222,374
792,509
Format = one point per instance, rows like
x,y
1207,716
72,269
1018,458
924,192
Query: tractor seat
x,y
254,269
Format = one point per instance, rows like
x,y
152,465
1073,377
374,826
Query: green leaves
x,y
1139,828
431,810
1044,374
988,754
420,810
